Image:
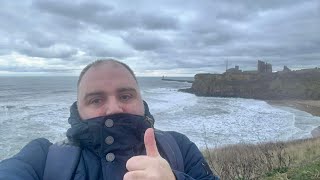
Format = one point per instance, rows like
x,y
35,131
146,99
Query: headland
x,y
299,89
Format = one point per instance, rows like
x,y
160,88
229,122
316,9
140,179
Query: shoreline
x,y
309,106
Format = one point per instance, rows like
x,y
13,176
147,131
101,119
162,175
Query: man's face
x,y
106,89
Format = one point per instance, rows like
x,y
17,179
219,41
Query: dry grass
x,y
247,161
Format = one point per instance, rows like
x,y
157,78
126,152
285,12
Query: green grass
x,y
277,171
309,171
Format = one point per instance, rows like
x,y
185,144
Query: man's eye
x,y
125,97
96,101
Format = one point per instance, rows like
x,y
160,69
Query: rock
x,y
316,132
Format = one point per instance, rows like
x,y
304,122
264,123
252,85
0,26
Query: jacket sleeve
x,y
195,166
28,164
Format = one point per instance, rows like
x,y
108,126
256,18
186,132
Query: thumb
x,y
150,143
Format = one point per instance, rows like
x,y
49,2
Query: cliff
x,y
302,84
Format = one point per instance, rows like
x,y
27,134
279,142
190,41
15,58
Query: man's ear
x,y
147,113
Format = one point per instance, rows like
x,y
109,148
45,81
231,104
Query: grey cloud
x,y
267,5
18,68
68,25
204,32
117,20
40,40
93,13
155,21
85,10
106,16
131,20
52,52
213,38
234,10
104,52
146,41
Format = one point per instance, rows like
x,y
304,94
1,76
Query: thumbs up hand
x,y
151,166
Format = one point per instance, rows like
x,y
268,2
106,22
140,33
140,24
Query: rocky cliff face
x,y
303,84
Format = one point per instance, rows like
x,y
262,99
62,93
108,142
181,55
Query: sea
x,y
35,107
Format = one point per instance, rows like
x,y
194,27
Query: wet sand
x,y
310,106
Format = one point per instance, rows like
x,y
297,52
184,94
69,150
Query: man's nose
x,y
113,106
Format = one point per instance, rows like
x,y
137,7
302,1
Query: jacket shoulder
x,y
28,163
34,151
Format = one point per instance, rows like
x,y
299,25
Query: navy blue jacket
x,y
127,132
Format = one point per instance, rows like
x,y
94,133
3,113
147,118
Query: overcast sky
x,y
167,37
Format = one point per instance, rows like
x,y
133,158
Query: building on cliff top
x,y
234,70
264,67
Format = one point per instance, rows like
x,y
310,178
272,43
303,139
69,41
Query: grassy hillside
x,y
299,159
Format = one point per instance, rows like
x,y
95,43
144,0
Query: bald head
x,y
112,62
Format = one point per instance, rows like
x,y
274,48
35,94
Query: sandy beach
x,y
310,106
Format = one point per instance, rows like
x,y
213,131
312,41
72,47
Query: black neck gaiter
x,y
121,134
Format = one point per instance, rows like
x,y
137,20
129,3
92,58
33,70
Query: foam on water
x,y
21,124
221,121
31,118
167,100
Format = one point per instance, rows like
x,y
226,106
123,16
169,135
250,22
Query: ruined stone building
x,y
264,67
234,70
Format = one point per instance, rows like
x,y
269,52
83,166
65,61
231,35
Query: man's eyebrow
x,y
126,89
97,93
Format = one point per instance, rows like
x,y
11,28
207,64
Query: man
x,y
111,137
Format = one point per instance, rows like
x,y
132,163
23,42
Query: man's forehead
x,y
111,70
108,73
108,65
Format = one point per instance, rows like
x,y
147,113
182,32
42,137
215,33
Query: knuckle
x,y
130,164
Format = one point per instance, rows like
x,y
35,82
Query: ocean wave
x,y
61,91
7,107
168,100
